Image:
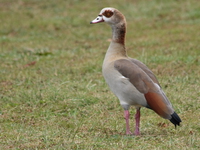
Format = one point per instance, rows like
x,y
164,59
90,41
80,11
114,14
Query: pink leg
x,y
137,122
126,116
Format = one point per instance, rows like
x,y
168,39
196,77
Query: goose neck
x,y
119,33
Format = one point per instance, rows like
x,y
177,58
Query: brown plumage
x,y
129,79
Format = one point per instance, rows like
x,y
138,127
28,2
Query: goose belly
x,y
124,89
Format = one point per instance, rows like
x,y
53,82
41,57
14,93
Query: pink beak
x,y
97,20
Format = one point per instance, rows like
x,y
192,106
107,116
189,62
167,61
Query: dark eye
x,y
97,18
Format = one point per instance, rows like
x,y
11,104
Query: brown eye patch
x,y
108,13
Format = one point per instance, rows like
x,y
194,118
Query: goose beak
x,y
97,20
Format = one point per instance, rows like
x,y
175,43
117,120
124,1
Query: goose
x,y
133,83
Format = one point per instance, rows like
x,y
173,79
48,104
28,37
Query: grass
x,y
53,95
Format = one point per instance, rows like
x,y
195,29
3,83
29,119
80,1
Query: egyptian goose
x,y
129,79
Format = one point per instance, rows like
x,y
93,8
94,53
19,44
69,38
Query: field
x,y
52,92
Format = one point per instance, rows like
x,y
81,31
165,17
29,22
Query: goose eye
x,y
108,13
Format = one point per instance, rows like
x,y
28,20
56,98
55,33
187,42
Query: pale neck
x,y
115,51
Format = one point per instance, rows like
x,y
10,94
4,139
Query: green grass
x,y
53,95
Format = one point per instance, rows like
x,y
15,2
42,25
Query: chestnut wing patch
x,y
157,103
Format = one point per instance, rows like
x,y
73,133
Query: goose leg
x,y
137,122
126,116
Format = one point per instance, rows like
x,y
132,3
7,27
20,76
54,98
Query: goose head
x,y
109,15
116,20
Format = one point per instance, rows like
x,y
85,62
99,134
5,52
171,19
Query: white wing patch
x,y
157,86
123,77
